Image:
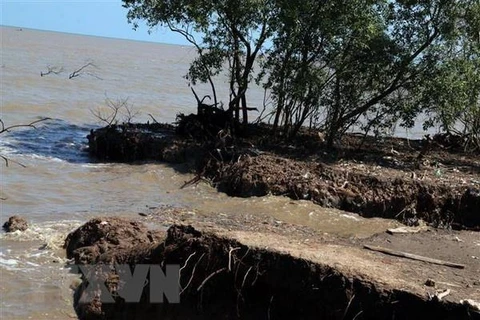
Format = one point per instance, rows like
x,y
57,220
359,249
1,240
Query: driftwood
x,y
81,71
54,70
415,257
403,230
441,295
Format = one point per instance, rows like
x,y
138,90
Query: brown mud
x,y
408,180
255,269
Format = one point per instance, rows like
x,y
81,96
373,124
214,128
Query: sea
x,y
48,177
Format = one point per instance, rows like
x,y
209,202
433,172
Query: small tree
x,y
232,32
332,63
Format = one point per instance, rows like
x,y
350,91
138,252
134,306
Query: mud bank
x,y
394,178
404,198
251,275
140,142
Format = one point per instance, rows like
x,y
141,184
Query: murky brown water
x,y
60,188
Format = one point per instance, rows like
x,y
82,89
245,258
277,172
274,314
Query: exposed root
x,y
193,274
180,273
209,277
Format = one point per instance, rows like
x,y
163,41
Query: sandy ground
x,y
349,255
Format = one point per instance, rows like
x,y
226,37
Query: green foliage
x,y
450,91
232,34
367,63
334,64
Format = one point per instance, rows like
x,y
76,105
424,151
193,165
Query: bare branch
x,y
190,38
154,120
114,108
80,71
129,113
31,125
7,161
50,69
7,129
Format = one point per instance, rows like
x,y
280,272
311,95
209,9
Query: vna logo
x,y
128,283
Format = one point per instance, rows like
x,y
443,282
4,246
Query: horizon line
x,y
94,35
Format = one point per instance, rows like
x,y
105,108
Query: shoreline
x,y
297,271
396,179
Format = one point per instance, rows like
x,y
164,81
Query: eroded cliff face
x,y
228,274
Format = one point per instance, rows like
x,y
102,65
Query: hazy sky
x,y
105,18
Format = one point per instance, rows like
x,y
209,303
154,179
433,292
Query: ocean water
x,y
51,181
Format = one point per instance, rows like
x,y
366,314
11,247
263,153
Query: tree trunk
x,y
278,113
335,121
245,111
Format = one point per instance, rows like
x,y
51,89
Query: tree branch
x,y
31,125
54,70
7,129
78,72
395,83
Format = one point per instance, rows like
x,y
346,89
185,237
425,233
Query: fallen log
x,y
415,257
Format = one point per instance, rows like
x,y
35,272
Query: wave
x,y
43,243
55,140
52,234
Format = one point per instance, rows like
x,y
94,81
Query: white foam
x,y
32,264
97,165
52,234
8,262
35,156
31,258
6,150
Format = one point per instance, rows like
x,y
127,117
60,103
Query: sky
x,y
105,18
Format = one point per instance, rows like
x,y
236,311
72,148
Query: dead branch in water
x,y
4,129
7,161
54,70
154,120
30,125
78,72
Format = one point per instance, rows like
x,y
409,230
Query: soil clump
x,y
15,223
